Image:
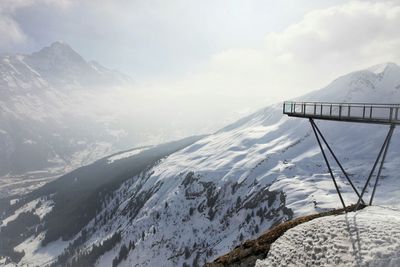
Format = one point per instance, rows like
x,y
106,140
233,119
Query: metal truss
x,y
381,158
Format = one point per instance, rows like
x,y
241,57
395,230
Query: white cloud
x,y
348,32
9,6
10,31
307,55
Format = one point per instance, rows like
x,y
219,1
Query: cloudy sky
x,y
227,56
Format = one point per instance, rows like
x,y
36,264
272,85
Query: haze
x,y
199,65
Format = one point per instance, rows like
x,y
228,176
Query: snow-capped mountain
x,y
200,202
58,66
47,125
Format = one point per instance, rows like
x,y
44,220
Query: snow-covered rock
x,y
125,154
369,237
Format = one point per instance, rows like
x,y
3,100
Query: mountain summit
x,y
384,67
58,67
377,84
64,67
57,54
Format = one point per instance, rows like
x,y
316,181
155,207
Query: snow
x,y
25,208
29,142
37,254
264,151
14,185
89,154
380,68
44,208
124,155
370,237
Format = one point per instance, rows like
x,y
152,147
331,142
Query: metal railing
x,y
355,112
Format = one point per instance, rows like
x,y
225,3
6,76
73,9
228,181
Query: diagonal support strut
x,y
337,161
382,162
327,163
383,149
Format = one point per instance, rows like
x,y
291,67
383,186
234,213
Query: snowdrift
x,y
368,237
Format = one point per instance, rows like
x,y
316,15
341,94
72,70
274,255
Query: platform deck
x,y
351,112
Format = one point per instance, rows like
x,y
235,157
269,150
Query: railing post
x,y
340,111
391,114
330,111
370,112
364,112
315,109
348,111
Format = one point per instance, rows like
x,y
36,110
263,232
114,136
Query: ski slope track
x,y
205,199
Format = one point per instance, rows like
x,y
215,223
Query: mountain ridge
x,y
61,67
202,201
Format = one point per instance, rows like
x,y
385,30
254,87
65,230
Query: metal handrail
x,y
361,112
345,103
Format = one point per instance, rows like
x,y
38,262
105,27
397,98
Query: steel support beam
x,y
337,161
327,163
382,162
387,139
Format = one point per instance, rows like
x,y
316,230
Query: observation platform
x,y
387,114
351,112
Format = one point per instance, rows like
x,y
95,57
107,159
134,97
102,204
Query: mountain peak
x,y
377,84
59,52
60,45
383,67
62,66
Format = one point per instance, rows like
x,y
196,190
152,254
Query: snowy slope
x,y
265,151
202,201
369,237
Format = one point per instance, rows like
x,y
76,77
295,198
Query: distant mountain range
x,y
47,125
57,66
190,206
